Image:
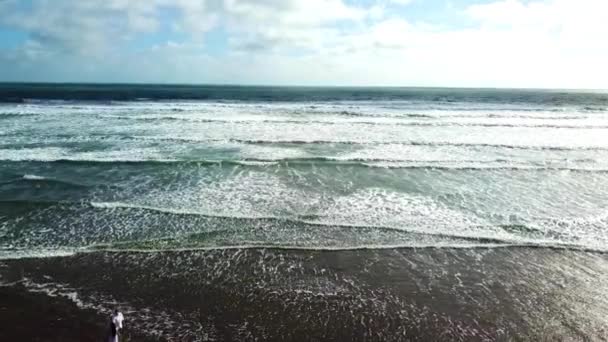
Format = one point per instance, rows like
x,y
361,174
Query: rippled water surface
x,y
184,167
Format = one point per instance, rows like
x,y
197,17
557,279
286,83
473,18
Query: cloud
x,y
541,43
292,13
552,43
566,23
80,25
89,25
295,24
401,2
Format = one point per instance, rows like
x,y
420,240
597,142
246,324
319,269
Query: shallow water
x,y
429,294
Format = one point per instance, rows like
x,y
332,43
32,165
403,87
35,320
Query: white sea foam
x,y
26,253
33,177
256,162
306,162
139,318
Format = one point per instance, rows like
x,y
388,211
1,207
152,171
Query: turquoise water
x,y
85,167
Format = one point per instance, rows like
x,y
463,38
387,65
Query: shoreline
x,y
376,295
36,316
43,254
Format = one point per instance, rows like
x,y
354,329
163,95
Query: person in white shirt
x,y
115,325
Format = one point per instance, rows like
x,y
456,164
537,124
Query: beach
x,y
526,294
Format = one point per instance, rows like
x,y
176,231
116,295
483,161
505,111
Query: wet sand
x,y
439,294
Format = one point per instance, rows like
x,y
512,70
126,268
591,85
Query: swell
x,y
306,220
471,165
380,123
15,115
75,139
40,180
346,142
13,205
14,208
303,219
29,253
455,245
404,143
312,220
536,238
447,114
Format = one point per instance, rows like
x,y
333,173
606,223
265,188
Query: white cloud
x,y
93,24
293,13
401,2
567,23
552,43
272,24
542,43
80,25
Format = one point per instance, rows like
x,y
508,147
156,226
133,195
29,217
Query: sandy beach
x,y
526,294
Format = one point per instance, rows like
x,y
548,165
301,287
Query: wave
x,y
64,102
15,207
482,168
123,205
446,165
15,115
378,107
309,220
33,177
454,245
313,220
476,238
29,202
38,180
329,142
595,109
403,143
250,162
31,253
369,123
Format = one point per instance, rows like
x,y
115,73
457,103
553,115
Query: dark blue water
x,y
22,92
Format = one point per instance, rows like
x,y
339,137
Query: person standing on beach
x,y
115,325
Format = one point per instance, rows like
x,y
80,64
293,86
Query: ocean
x,y
295,213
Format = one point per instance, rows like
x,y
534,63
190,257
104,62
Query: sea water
x,y
144,167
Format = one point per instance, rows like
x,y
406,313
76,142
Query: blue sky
x,y
485,43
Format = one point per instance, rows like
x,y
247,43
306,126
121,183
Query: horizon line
x,y
294,85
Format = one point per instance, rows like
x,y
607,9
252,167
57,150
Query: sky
x,y
468,43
